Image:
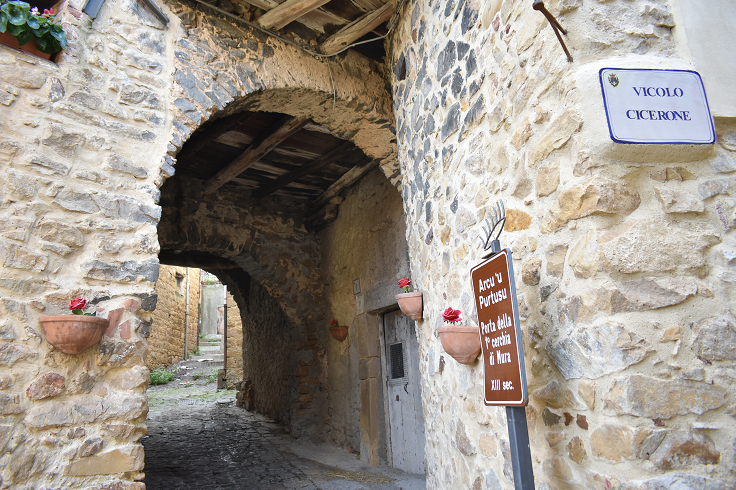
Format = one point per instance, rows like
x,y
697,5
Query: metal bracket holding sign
x,y
504,373
656,107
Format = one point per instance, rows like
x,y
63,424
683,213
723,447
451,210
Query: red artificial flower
x,y
404,282
78,304
333,322
452,316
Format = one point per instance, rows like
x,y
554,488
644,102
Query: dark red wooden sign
x,y
500,336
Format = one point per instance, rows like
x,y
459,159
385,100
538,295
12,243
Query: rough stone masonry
x,y
624,254
85,144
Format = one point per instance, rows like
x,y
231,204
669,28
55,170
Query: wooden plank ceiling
x,y
269,153
334,24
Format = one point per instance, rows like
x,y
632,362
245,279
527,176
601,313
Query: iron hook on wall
x,y
539,5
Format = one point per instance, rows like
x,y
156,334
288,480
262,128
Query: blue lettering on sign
x,y
647,115
658,91
658,115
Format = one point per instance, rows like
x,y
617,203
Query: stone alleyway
x,y
198,439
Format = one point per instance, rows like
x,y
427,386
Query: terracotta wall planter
x,y
30,47
411,304
72,334
339,332
461,342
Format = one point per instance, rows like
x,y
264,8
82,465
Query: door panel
x,y
404,393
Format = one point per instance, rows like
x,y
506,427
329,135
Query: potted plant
x,y
22,27
338,331
462,342
72,334
410,303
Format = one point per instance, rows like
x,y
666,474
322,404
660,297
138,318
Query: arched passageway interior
x,y
250,192
302,228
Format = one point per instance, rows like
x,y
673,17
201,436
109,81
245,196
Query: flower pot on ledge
x,y
462,342
340,332
72,334
30,47
411,304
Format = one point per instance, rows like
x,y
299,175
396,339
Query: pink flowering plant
x,y
77,305
26,23
451,316
405,284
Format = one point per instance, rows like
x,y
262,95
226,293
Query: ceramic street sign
x,y
500,337
656,107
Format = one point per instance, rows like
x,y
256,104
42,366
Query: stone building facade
x,y
624,278
168,326
623,248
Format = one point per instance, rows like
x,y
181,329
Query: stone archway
x,y
222,68
269,245
86,144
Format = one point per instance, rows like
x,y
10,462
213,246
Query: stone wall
x,y
166,342
85,143
366,242
234,342
623,253
268,337
79,215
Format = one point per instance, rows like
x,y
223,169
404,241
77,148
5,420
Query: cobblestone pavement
x,y
205,442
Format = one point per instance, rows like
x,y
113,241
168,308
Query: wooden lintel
x,y
210,134
312,167
351,177
287,12
264,143
358,28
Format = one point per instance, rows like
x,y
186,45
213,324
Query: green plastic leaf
x,y
32,22
77,312
3,21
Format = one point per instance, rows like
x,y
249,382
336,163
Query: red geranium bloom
x,y
333,322
404,281
452,316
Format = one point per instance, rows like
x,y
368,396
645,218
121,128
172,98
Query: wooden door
x,y
404,393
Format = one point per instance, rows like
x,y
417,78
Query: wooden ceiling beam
x,y
210,134
357,29
351,177
260,147
310,168
287,12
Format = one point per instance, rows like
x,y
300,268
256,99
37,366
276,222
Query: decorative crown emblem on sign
x,y
613,79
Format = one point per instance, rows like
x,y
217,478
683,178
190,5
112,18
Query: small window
x,y
396,354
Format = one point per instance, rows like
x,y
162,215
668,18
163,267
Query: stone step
x,y
215,357
209,344
213,348
208,362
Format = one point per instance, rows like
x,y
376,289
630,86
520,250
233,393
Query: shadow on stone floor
x,y
211,444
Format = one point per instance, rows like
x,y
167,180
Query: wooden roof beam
x,y
312,167
260,147
351,177
357,29
287,12
210,134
